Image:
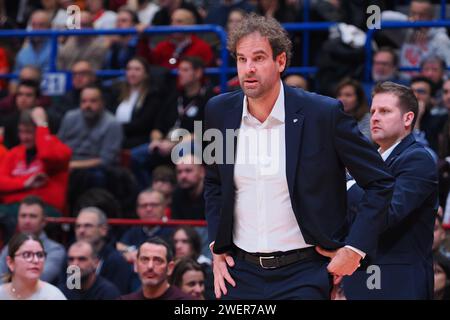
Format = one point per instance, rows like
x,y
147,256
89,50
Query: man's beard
x,y
91,117
186,186
85,276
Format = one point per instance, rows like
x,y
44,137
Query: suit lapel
x,y
232,121
294,122
405,143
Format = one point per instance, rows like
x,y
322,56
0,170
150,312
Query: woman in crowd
x,y
139,105
188,244
189,276
352,95
25,260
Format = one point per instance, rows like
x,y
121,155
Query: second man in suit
x,y
403,266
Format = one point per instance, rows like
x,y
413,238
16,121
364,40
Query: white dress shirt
x,y
388,152
264,220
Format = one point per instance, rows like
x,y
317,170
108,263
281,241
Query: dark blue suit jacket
x,y
321,140
404,248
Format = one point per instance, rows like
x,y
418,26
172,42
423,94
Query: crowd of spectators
x,y
102,149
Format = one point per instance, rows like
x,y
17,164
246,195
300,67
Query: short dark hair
x,y
196,62
267,27
426,80
94,253
181,267
30,84
164,173
162,197
407,101
158,241
33,200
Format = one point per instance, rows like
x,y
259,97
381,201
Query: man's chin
x,y
186,187
251,93
376,138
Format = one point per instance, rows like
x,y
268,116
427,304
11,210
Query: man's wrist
x,y
359,252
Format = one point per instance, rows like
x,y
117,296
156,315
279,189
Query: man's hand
x,y
84,164
220,270
36,181
153,145
344,262
165,147
140,28
39,116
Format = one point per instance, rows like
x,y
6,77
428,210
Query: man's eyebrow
x,y
260,52
254,53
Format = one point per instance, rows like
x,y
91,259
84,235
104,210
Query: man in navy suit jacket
x,y
403,266
264,226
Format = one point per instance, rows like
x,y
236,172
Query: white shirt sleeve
x,y
361,253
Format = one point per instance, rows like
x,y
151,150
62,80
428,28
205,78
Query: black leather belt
x,y
277,259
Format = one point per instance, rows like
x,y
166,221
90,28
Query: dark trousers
x,y
303,280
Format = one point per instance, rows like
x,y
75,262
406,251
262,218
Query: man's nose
x,y
374,117
251,66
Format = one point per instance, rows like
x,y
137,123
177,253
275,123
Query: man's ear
x,y
135,266
104,230
199,74
43,222
281,59
170,267
202,171
96,262
408,119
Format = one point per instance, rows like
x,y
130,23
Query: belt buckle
x,y
261,259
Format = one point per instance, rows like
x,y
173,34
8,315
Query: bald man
x,y
37,50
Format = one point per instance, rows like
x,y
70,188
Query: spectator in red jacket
x,y
169,52
39,165
3,150
4,67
